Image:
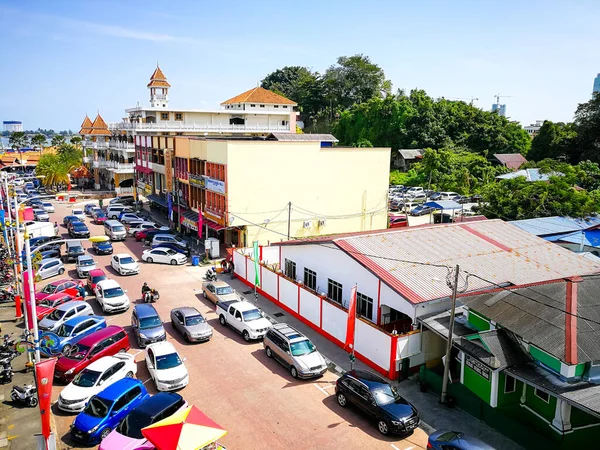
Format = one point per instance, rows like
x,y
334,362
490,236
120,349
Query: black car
x,y
476,198
69,219
377,398
79,229
51,253
173,246
435,196
102,248
461,199
36,242
74,250
421,210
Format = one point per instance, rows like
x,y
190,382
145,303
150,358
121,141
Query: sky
x,y
63,59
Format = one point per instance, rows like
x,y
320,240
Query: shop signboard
x,y
148,189
168,169
477,367
189,223
196,180
214,185
141,185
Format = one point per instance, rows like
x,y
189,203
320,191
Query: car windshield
x,y
169,361
47,204
194,320
253,314
302,348
78,352
79,226
224,290
100,215
86,378
49,289
133,423
127,260
118,228
56,314
448,436
386,394
150,322
86,262
76,249
98,278
64,330
77,212
113,292
97,407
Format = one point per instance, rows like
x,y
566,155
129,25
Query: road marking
x,y
11,426
137,353
147,380
322,390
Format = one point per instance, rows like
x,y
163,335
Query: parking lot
x,y
233,382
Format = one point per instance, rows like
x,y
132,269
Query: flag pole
x,y
353,358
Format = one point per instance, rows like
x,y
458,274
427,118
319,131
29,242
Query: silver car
x,y
189,322
84,264
50,268
64,312
41,215
295,351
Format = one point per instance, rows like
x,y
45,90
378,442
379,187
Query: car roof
x,y
69,305
108,283
188,311
96,336
160,247
244,306
371,379
46,260
162,348
123,255
289,332
219,284
78,319
84,257
77,223
145,310
103,363
116,389
97,272
157,403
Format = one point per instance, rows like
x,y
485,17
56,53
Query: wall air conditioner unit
x,y
306,224
322,223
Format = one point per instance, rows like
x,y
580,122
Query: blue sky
x,y
61,59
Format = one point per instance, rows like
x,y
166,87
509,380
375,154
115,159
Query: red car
x,y
141,235
56,286
43,311
100,218
58,298
398,221
105,342
95,276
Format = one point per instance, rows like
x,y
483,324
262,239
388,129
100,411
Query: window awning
x,y
191,215
214,225
158,200
143,169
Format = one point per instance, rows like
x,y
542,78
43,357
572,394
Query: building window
x,y
334,291
310,279
252,106
509,384
178,116
275,106
285,106
542,395
290,269
262,106
164,116
364,306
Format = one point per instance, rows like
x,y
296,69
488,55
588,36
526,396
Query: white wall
x,y
239,262
310,306
373,344
288,294
250,271
269,282
270,255
335,321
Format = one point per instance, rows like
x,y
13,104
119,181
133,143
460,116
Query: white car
x,y
124,264
166,367
111,297
164,256
129,217
48,207
64,312
140,226
95,378
77,212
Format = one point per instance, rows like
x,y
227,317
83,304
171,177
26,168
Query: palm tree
x,y
76,141
58,139
55,168
38,140
18,140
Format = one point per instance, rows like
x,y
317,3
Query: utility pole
x,y
444,396
289,218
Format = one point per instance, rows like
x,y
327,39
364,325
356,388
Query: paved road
x,y
234,383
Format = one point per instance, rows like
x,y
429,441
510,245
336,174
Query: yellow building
x,y
267,189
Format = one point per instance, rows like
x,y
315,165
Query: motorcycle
x,y
26,395
211,275
150,296
6,370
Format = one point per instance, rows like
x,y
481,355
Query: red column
x,y
571,320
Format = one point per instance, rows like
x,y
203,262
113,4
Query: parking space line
x,y
322,390
147,380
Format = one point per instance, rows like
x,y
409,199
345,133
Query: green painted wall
x,y
546,410
512,398
477,384
580,418
477,321
579,370
545,358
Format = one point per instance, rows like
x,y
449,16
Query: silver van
x,y
295,351
114,211
115,230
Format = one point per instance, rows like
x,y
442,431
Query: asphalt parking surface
x,y
231,381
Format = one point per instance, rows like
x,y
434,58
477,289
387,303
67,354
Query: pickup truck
x,y
243,317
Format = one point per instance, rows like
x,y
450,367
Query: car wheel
x,y
123,350
269,352
293,372
66,349
342,400
222,320
150,260
204,294
187,337
246,336
173,262
383,427
129,374
105,433
61,271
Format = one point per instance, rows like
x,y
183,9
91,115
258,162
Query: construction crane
x,y
498,97
472,99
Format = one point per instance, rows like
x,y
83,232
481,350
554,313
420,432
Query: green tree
x,y
18,140
554,140
38,140
587,125
76,140
55,168
57,140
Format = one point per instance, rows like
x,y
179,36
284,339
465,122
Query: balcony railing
x,y
124,190
130,146
96,145
200,127
95,164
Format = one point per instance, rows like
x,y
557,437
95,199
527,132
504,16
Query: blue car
x,y
68,219
105,410
444,439
88,208
71,332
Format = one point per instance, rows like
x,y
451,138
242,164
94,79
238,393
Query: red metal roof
x,y
510,160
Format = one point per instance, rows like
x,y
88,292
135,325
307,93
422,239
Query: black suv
x,y
378,399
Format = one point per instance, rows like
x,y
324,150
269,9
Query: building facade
x,y
12,125
534,128
596,87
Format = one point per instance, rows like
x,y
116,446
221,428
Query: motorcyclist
x,y
146,291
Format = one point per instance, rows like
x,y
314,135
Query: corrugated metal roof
x,y
411,153
546,226
511,160
301,137
444,204
492,249
530,175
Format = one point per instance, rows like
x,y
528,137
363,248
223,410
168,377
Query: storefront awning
x,y
191,215
158,200
214,225
143,169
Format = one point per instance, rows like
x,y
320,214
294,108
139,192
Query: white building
x,y
534,128
12,125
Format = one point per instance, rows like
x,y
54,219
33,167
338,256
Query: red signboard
x,y
44,373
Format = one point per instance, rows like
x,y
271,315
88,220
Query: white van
x,y
414,191
114,211
447,195
115,230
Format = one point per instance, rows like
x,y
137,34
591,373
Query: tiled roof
x,y
99,127
304,137
510,160
259,95
495,348
547,226
530,175
86,126
411,154
158,79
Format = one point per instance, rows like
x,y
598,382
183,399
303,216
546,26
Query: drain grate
x,y
278,314
248,292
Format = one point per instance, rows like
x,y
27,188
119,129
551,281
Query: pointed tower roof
x,y
260,95
99,127
86,126
158,79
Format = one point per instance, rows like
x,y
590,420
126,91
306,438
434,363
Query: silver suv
x,y
295,351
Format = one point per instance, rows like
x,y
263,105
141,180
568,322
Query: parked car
x,y
105,410
398,221
106,342
126,217
41,240
102,248
100,217
378,399
115,210
74,250
94,277
166,367
111,297
159,239
447,195
191,323
84,264
56,286
128,434
422,210
124,264
148,235
57,299
435,196
455,440
139,227
63,313
146,325
42,311
72,331
295,351
461,199
48,207
49,253
79,230
243,317
219,291
41,215
50,268
164,256
88,208
476,198
79,213
97,376
414,191
71,218
123,200
173,246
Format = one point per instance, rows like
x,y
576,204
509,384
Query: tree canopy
x,y
18,140
55,167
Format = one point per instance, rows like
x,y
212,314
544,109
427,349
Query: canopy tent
x,y
444,204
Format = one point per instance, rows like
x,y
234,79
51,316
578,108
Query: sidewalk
x,y
434,416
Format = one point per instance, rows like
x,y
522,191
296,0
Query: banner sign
x,y
44,374
214,185
477,367
168,169
141,185
200,220
28,299
196,180
188,223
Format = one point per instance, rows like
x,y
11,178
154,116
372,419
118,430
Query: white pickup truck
x,y
243,317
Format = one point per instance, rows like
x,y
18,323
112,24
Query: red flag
x,y
200,220
351,320
28,299
69,187
44,372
